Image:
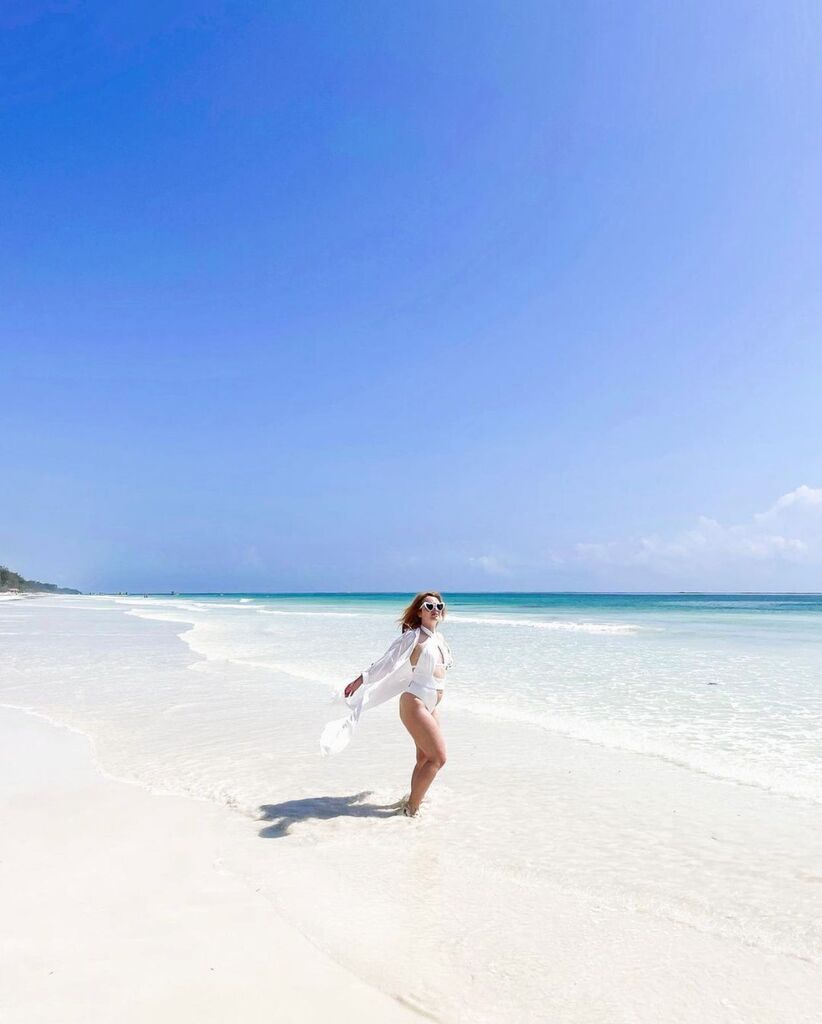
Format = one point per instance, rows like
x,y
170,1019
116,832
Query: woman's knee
x,y
436,759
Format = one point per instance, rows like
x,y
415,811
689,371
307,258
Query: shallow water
x,y
729,685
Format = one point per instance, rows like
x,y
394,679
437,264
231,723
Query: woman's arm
x,y
399,652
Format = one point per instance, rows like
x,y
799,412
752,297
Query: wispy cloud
x,y
489,564
251,558
790,531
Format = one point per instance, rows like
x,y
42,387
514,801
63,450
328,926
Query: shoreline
x,y
117,905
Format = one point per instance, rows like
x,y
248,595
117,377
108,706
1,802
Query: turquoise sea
x,y
727,684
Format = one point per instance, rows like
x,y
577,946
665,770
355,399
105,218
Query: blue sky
x,y
363,296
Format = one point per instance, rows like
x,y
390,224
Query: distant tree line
x,y
10,580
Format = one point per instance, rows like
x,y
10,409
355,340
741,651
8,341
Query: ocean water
x,y
658,757
730,685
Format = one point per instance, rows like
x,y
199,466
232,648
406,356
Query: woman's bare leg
x,y
421,759
427,736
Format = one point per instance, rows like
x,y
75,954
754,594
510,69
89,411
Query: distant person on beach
x,y
414,667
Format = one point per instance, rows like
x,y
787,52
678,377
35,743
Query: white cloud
x,y
803,499
488,563
789,533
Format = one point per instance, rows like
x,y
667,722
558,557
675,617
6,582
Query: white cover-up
x,y
385,678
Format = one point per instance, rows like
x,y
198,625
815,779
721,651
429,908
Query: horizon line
x,y
500,593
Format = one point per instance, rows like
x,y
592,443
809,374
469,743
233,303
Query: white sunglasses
x,y
431,605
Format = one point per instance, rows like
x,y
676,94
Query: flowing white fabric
x,y
385,678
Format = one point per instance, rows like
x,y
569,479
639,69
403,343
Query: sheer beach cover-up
x,y
385,678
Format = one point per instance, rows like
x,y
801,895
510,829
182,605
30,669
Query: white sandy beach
x,y
548,879
115,906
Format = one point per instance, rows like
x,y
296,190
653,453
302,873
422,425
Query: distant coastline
x,y
13,583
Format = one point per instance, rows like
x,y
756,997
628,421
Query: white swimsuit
x,y
390,676
424,684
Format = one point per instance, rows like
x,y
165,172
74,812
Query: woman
x,y
414,666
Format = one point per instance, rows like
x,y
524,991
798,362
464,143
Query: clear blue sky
x,y
377,296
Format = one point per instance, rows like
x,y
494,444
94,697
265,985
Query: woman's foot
x,y
405,807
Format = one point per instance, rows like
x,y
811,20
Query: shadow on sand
x,y
322,808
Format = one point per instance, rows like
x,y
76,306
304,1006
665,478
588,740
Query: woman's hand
x,y
353,687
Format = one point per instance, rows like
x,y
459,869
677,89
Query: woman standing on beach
x,y
414,666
